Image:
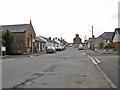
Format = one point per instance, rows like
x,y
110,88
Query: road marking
x,y
97,60
92,59
104,75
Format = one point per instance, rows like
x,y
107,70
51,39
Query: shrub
x,y
101,45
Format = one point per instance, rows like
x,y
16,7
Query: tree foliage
x,y
7,41
101,45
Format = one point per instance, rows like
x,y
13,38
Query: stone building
x,y
77,39
23,37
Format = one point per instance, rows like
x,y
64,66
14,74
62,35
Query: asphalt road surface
x,y
65,69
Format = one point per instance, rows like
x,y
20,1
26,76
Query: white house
x,y
49,42
58,41
116,39
116,36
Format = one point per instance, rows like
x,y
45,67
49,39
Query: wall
x,y
30,33
19,42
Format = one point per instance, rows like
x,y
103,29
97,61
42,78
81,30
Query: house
x,y
88,43
49,42
40,44
64,42
77,39
57,40
106,38
23,37
116,38
55,43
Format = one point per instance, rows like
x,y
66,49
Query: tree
x,y
7,41
101,45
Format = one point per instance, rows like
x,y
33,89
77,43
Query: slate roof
x,y
107,35
48,40
15,28
40,40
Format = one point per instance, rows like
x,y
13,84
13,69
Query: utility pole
x,y
92,39
92,31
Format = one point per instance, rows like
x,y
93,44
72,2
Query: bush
x,y
101,45
108,46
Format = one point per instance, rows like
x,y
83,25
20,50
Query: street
x,y
71,68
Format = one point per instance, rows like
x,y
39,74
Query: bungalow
x,y
23,37
116,38
106,38
49,42
40,44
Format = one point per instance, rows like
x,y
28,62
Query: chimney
x,y
30,22
50,38
55,37
77,35
58,39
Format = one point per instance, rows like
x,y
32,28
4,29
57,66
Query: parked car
x,y
51,50
63,48
80,47
59,48
71,45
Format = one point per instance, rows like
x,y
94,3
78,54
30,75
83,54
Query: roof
x,y
107,35
48,40
15,28
39,39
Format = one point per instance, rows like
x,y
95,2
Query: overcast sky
x,y
56,18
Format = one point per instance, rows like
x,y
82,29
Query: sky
x,y
62,18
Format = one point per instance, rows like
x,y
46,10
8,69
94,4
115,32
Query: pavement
x,y
71,68
109,64
25,55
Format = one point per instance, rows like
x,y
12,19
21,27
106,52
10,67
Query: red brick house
x,y
23,37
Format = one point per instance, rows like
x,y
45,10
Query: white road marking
x,y
92,60
104,75
97,60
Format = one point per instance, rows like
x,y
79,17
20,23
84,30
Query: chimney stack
x,y
55,37
50,38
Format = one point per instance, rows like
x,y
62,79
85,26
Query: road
x,y
109,64
66,69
